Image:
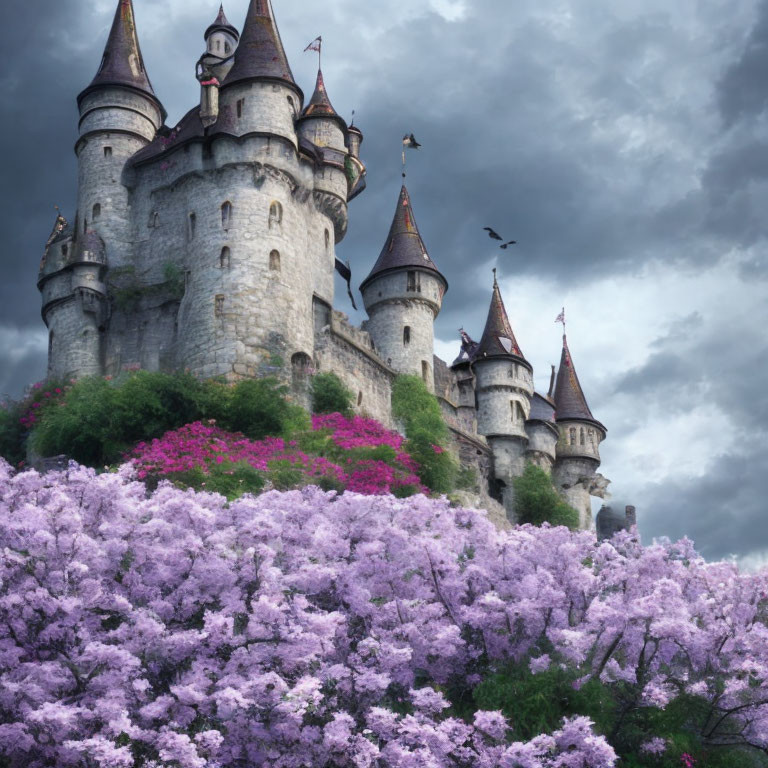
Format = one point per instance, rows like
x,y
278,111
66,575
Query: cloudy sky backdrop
x,y
624,145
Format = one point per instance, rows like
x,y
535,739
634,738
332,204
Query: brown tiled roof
x,y
570,402
260,52
498,338
122,45
404,247
222,23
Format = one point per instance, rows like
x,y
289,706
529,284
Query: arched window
x,y
520,412
240,103
513,409
218,305
591,436
227,48
225,260
291,102
226,214
359,398
107,151
274,261
85,225
192,225
425,371
275,214
406,335
327,240
414,283
64,250
155,219
218,45
50,344
301,368
581,436
96,212
572,432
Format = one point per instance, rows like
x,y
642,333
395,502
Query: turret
x,y
259,94
403,295
465,381
119,115
503,388
325,132
580,435
74,301
221,40
542,433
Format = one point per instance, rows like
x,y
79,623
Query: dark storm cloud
x,y
723,511
742,90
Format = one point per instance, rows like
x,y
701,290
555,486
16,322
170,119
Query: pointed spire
x,y
498,338
222,23
122,63
570,402
260,52
319,104
404,247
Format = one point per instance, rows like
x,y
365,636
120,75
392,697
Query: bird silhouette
x,y
506,245
493,235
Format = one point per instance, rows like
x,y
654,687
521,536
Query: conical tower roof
x,y
404,248
260,53
498,338
222,22
122,63
319,104
570,402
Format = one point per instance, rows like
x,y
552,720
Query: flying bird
x,y
493,235
506,245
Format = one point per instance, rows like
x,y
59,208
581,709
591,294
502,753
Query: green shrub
x,y
258,408
329,395
537,501
11,434
427,435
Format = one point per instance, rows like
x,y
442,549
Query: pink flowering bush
x,y
340,453
305,628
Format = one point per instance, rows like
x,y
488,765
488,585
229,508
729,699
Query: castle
x,y
210,246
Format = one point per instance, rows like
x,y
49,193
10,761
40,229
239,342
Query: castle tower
x,y
465,382
578,455
119,115
259,94
320,127
70,281
503,387
542,433
402,295
221,40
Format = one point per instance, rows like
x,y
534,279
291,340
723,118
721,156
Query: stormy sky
x,y
624,145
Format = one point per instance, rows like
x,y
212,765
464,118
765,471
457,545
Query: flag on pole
x,y
409,142
561,318
315,45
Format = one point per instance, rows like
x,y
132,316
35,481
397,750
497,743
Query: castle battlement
x,y
210,246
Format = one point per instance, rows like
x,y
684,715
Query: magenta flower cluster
x,y
37,400
313,629
204,445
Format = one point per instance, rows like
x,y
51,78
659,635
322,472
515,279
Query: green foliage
x,y
174,279
537,501
329,395
258,408
427,436
537,703
11,434
230,479
101,419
